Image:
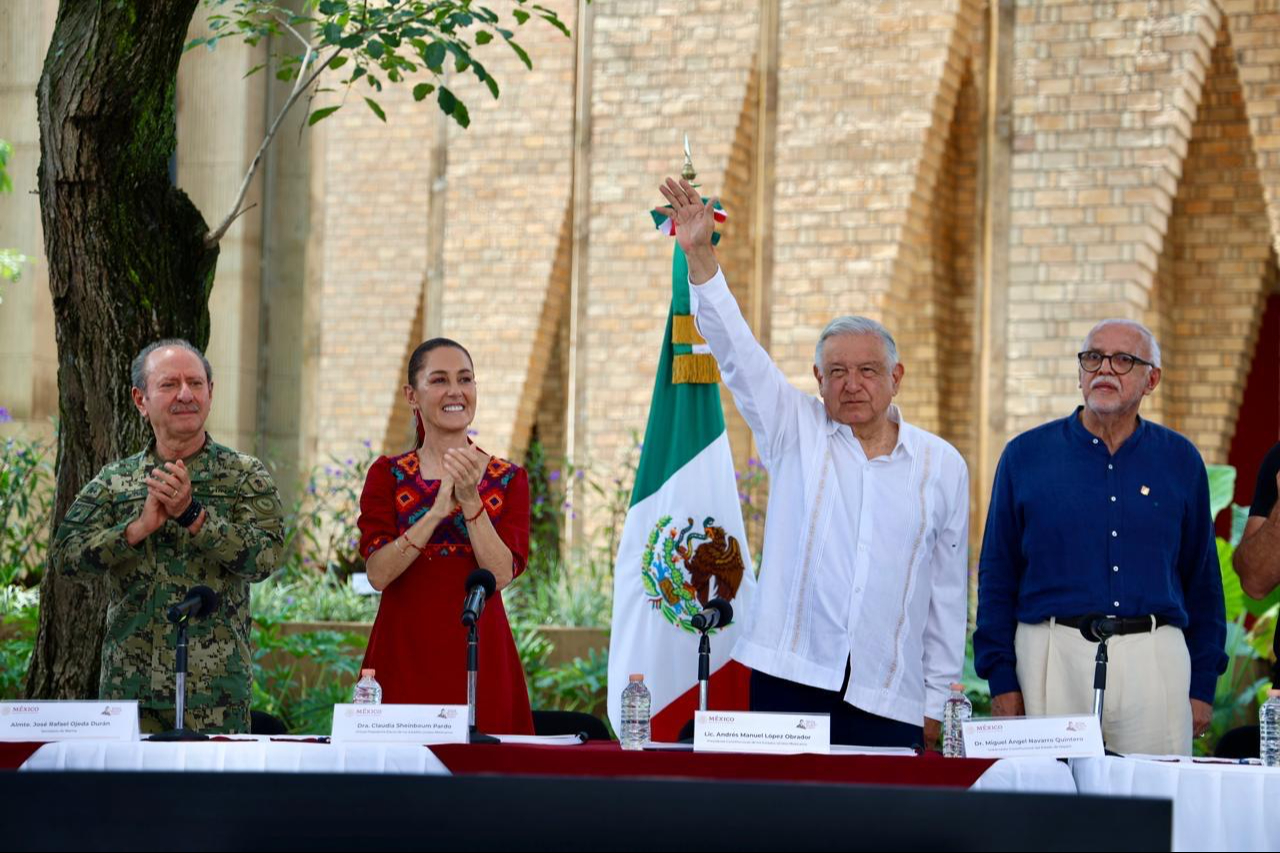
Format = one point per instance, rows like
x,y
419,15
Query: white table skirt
x,y
1027,776
245,754
1216,806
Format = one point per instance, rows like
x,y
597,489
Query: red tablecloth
x,y
609,760
12,755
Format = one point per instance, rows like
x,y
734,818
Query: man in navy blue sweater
x,y
1103,512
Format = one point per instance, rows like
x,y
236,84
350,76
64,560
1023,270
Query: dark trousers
x,y
849,725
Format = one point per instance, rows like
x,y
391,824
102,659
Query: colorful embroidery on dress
x,y
415,496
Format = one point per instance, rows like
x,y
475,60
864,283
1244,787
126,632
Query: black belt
x,y
1125,625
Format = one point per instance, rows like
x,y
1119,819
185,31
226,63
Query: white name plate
x,y
51,720
754,731
400,723
1051,737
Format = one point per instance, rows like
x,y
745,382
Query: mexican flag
x,y
683,542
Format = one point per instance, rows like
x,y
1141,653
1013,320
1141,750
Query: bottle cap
x,y
366,673
637,676
955,685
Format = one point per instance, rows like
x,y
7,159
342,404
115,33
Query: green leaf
x,y
352,41
390,39
434,56
520,16
1239,518
551,18
331,7
321,114
446,100
332,33
1232,594
337,62
461,116
421,90
1222,486
484,37
520,52
377,110
375,48
486,78
1260,608
254,70
357,74
193,43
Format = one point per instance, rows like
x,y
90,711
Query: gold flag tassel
x,y
694,368
697,368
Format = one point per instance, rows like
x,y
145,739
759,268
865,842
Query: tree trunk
x,y
127,265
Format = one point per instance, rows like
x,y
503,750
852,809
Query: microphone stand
x,y
704,670
1099,678
180,732
473,671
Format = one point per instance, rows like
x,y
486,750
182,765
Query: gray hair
x,y
849,325
138,370
1153,348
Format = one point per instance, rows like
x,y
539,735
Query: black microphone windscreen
x,y
484,578
208,599
725,609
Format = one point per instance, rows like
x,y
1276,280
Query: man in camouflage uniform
x,y
185,511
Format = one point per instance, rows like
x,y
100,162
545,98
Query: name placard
x,y
1048,737
51,720
400,723
753,731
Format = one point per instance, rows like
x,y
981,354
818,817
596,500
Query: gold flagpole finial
x,y
688,172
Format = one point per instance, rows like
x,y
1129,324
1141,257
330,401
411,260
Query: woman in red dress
x,y
428,518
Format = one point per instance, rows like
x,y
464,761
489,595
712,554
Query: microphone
x,y
717,614
1097,628
480,585
199,603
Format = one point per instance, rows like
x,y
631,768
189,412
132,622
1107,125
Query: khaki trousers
x,y
1147,706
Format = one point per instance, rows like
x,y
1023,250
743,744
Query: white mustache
x,y
1106,381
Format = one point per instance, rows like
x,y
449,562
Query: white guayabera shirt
x,y
865,561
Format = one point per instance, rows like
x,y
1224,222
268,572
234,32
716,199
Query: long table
x,y
595,759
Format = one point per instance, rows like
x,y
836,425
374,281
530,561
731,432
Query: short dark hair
x,y
138,370
418,360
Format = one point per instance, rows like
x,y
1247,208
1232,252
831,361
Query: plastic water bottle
x,y
368,690
635,714
954,713
1269,730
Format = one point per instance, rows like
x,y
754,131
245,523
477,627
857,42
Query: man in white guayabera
x,y
861,607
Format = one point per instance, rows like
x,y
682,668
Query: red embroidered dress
x,y
418,644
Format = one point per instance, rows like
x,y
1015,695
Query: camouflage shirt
x,y
240,542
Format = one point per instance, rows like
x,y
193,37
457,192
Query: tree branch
x,y
213,237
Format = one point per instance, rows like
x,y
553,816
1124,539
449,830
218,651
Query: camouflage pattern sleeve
x,y
90,537
250,542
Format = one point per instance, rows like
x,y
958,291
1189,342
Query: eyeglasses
x,y
1121,362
